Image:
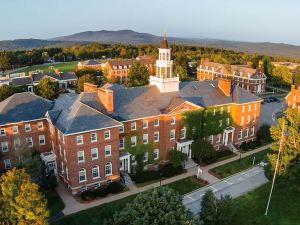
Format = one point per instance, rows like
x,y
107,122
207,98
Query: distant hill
x,y
132,37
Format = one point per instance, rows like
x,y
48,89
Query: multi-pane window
x,y
93,137
242,120
42,139
218,140
252,131
222,110
40,125
145,157
248,119
79,140
82,175
29,141
182,133
249,108
173,121
121,129
227,121
228,109
95,172
107,134
2,132
172,134
133,141
240,134
255,106
122,143
156,154
145,124
156,122
80,156
254,118
27,127
4,146
107,150
15,129
243,108
145,138
108,169
7,163
156,136
246,132
17,142
210,138
94,152
133,126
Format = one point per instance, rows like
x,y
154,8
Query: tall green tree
x,y
138,75
203,150
182,73
160,206
20,200
282,73
267,66
4,61
48,89
6,91
87,78
176,158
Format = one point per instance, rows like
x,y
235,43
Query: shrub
x,y
223,153
251,145
101,191
145,176
115,187
244,146
88,195
169,170
177,158
263,135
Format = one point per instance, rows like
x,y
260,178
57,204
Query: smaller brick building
x,y
90,64
292,100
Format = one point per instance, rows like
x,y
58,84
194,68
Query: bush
x,y
177,158
169,170
101,191
244,146
88,195
115,187
145,176
223,153
263,135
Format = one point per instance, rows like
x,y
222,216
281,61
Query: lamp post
x,y
160,175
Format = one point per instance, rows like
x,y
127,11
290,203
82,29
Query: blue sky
x,y
251,20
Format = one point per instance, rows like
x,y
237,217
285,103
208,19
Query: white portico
x,y
228,135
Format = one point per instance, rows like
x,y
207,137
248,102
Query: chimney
x,y
106,96
89,87
225,86
293,87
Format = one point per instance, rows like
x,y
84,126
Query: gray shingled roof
x,y
21,81
68,76
90,62
23,107
75,116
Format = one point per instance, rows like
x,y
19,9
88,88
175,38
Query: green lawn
x,y
238,165
55,204
284,208
187,185
63,67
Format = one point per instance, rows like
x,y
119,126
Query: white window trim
x,y
156,125
156,150
172,133
145,157
30,138
2,132
27,125
93,141
123,147
105,148
79,137
6,163
145,135
145,122
173,121
111,169
184,136
156,132
109,135
83,158
17,129
42,137
80,181
121,129
132,141
94,158
42,125
93,172
133,126
4,143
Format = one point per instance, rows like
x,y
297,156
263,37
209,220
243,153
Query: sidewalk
x,y
73,206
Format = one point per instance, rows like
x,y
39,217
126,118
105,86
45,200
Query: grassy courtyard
x,y
238,165
284,208
187,185
63,67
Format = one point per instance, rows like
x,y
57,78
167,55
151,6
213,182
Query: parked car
x,y
267,100
263,163
275,99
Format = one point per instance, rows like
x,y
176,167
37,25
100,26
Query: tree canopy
x,y
138,75
84,79
48,89
6,91
282,74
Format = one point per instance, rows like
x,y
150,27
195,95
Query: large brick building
x,y
85,134
241,75
292,100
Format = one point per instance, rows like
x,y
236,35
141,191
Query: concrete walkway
x,y
73,206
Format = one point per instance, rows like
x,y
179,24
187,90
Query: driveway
x,y
269,110
234,186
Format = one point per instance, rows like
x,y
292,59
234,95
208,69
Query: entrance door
x,y
185,149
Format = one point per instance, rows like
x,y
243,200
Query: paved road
x,y
235,186
268,112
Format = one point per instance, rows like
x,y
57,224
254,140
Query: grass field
x,y
238,165
63,67
284,208
187,185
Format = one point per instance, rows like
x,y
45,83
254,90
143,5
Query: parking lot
x,y
269,110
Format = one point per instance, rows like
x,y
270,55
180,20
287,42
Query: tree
x,y
48,89
177,158
6,91
4,62
138,75
45,56
283,73
297,76
267,66
263,135
159,206
182,73
20,200
224,210
203,150
87,78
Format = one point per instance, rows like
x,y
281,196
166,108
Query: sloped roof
x,y
90,62
23,107
119,62
21,81
68,76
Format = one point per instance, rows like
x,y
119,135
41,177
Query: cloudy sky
x,y
255,20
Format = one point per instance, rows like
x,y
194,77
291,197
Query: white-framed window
x,y
27,127
83,188
240,134
182,133
133,126
42,139
222,110
93,137
173,121
210,138
248,119
96,185
67,173
79,140
17,142
145,138
246,132
156,136
156,122
249,108
40,125
4,146
214,113
228,109
156,154
220,123
107,150
108,169
82,175
94,153
95,172
80,156
254,118
252,131
133,141
121,129
29,141
227,121
243,108
145,124
107,135
122,143
255,106
145,157
172,134
65,155
219,136
15,129
242,120
7,163
2,132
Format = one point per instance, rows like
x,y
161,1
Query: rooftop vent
x,y
211,84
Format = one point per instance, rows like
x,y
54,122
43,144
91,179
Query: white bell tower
x,y
164,79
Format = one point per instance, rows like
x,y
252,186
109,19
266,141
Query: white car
x,y
263,163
